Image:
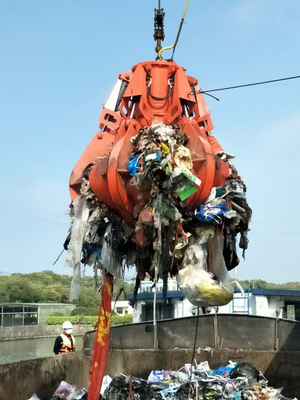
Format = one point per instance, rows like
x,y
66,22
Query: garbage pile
x,y
199,382
198,246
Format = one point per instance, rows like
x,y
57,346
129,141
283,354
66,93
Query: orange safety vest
x,y
66,346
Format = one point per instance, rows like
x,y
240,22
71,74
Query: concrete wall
x,y
38,331
20,380
230,331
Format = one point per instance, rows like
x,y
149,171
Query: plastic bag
x,y
105,383
183,157
134,164
212,211
110,260
65,391
34,397
78,229
204,277
68,392
245,370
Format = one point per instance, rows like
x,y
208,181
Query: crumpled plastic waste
x,y
34,397
134,164
212,211
110,260
183,157
66,391
105,384
204,277
199,247
244,370
197,382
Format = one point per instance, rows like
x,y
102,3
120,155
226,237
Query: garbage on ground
x,y
199,247
195,382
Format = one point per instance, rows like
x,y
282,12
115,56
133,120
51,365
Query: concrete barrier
x,y
38,331
18,381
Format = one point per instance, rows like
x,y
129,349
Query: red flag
x,y
101,344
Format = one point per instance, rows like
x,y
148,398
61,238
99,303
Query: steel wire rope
x,y
247,85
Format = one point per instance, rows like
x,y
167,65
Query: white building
x,y
277,303
177,305
121,307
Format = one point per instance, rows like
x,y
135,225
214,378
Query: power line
x,y
32,219
249,84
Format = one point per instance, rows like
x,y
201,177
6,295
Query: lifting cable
x,y
178,34
245,85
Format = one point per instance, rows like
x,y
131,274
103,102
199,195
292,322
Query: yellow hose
x,y
163,49
171,47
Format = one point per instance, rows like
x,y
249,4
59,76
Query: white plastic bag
x,y
204,277
105,383
34,397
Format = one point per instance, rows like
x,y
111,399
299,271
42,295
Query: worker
x,y
65,343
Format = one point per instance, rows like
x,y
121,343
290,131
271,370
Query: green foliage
x,y
75,319
80,311
4,296
260,284
88,320
85,311
48,287
57,314
89,297
121,319
18,287
120,284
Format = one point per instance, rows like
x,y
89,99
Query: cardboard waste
x,y
198,246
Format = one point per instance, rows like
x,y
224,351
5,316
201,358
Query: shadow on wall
x,y
284,369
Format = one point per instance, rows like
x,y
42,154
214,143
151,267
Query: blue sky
x,y
59,61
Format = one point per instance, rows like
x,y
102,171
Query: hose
x,y
177,37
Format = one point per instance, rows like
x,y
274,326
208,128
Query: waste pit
x,y
191,382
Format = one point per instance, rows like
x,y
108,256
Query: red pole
x,y
101,344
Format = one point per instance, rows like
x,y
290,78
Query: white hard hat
x,y
67,326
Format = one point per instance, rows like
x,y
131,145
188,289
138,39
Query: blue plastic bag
x,y
134,164
222,371
214,213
